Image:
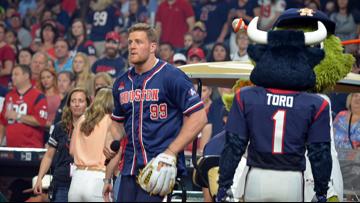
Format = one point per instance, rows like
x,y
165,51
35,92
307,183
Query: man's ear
x,y
153,47
256,51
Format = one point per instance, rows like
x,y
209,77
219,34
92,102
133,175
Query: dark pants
x,y
61,194
130,191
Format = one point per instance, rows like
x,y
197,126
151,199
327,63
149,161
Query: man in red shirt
x,y
25,112
174,18
7,58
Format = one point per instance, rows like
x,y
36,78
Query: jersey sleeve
x,y
40,110
236,122
320,128
118,113
54,136
3,121
183,94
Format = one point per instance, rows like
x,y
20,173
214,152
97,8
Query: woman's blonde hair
x,y
105,76
67,117
85,77
103,104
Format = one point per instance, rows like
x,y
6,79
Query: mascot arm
x,y
321,165
234,148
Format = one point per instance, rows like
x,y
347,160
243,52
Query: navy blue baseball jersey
x,y
103,22
115,67
279,124
152,107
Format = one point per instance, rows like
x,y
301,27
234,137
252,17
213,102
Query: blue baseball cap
x,y
306,17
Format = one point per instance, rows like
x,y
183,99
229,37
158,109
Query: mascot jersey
x,y
280,122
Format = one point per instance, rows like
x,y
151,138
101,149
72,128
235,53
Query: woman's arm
x,y
44,167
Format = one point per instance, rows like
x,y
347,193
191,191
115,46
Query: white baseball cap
x,y
179,57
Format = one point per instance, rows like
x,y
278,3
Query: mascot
x,y
300,57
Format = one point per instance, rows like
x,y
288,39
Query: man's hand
x,y
38,187
107,192
10,114
224,195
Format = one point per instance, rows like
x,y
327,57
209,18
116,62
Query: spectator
x,y
123,48
179,59
242,42
23,34
215,118
270,10
39,62
188,42
80,43
45,16
62,17
330,7
57,154
24,117
346,26
66,82
313,4
199,34
102,80
112,62
24,57
137,13
62,53
87,145
48,86
48,35
3,92
244,9
205,133
103,18
84,78
214,15
219,53
12,40
346,124
166,52
174,12
26,6
195,55
7,58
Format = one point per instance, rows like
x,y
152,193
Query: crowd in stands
x,y
50,47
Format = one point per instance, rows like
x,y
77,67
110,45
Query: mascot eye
x,y
320,46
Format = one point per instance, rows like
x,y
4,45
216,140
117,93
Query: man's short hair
x,y
69,74
24,68
150,32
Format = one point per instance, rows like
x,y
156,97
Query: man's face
x,y
15,22
165,52
61,50
64,83
38,63
140,47
198,35
111,48
18,77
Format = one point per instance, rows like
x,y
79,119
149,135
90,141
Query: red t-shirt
x,y
6,54
173,21
32,103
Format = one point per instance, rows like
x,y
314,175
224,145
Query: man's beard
x,y
110,52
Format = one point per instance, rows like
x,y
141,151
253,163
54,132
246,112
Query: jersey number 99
x,y
158,111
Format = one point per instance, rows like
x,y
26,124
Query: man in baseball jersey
x,y
25,112
158,110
